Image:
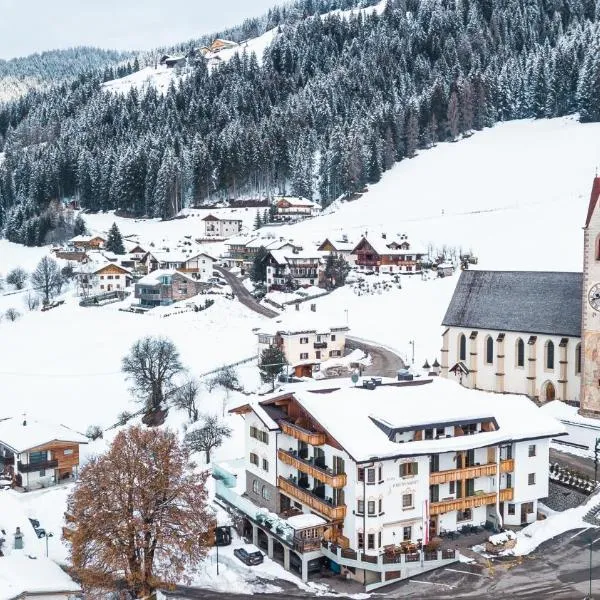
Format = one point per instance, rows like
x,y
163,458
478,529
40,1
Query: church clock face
x,y
594,297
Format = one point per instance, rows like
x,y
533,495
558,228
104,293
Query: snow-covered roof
x,y
379,244
305,520
239,240
171,256
294,201
19,437
301,322
99,266
85,238
211,217
153,277
422,406
22,576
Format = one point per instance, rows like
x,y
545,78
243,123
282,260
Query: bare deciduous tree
x,y
12,314
151,365
140,516
207,437
31,302
185,397
47,278
17,277
94,432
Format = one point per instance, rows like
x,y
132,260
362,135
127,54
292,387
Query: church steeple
x,y
590,316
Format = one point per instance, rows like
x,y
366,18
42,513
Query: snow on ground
x,y
158,77
516,194
346,14
65,364
529,538
256,45
15,255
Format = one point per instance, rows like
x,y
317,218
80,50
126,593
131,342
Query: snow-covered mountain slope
x,y
159,77
516,194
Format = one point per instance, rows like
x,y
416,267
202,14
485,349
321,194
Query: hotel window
x,y
255,486
254,459
380,474
361,474
380,507
360,507
531,479
527,507
304,356
409,469
333,337
371,541
371,507
371,476
304,340
406,534
578,359
511,509
531,451
265,464
361,541
407,501
452,487
464,515
266,494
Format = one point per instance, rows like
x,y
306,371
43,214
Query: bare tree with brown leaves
x,y
140,516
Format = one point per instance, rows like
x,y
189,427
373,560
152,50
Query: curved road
x,y
384,362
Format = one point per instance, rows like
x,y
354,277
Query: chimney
x,y
384,236
313,307
297,305
24,419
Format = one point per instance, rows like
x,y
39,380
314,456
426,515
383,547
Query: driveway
x,y
384,362
244,296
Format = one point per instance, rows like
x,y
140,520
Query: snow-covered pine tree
x,y
114,241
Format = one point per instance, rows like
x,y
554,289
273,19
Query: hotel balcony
x,y
488,470
325,475
314,502
304,435
445,506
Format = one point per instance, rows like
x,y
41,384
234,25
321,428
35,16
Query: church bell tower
x,y
590,317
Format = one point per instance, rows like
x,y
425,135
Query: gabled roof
x,y
19,437
379,245
522,301
210,218
294,201
100,268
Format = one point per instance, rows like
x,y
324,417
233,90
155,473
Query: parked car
x,y
250,555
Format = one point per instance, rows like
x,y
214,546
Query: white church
x,y
533,333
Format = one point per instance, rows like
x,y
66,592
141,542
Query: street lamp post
x,y
412,343
596,453
47,535
217,545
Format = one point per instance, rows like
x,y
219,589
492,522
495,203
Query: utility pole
x,y
412,343
217,545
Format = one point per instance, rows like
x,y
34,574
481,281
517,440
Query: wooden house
x,y
221,44
293,209
376,254
88,242
37,454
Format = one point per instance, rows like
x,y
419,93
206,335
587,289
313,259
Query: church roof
x,y
526,301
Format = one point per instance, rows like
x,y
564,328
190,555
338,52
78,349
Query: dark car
x,y
249,555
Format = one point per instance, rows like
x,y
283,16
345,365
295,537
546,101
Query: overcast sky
x,y
28,26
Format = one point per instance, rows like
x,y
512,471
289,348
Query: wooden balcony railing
x,y
334,513
466,473
445,506
506,466
325,475
304,435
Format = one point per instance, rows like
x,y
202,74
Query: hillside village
x,y
307,306
291,479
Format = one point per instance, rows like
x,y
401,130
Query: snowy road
x,y
384,362
243,295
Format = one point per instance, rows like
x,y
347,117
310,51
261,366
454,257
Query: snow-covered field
x,y
515,194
